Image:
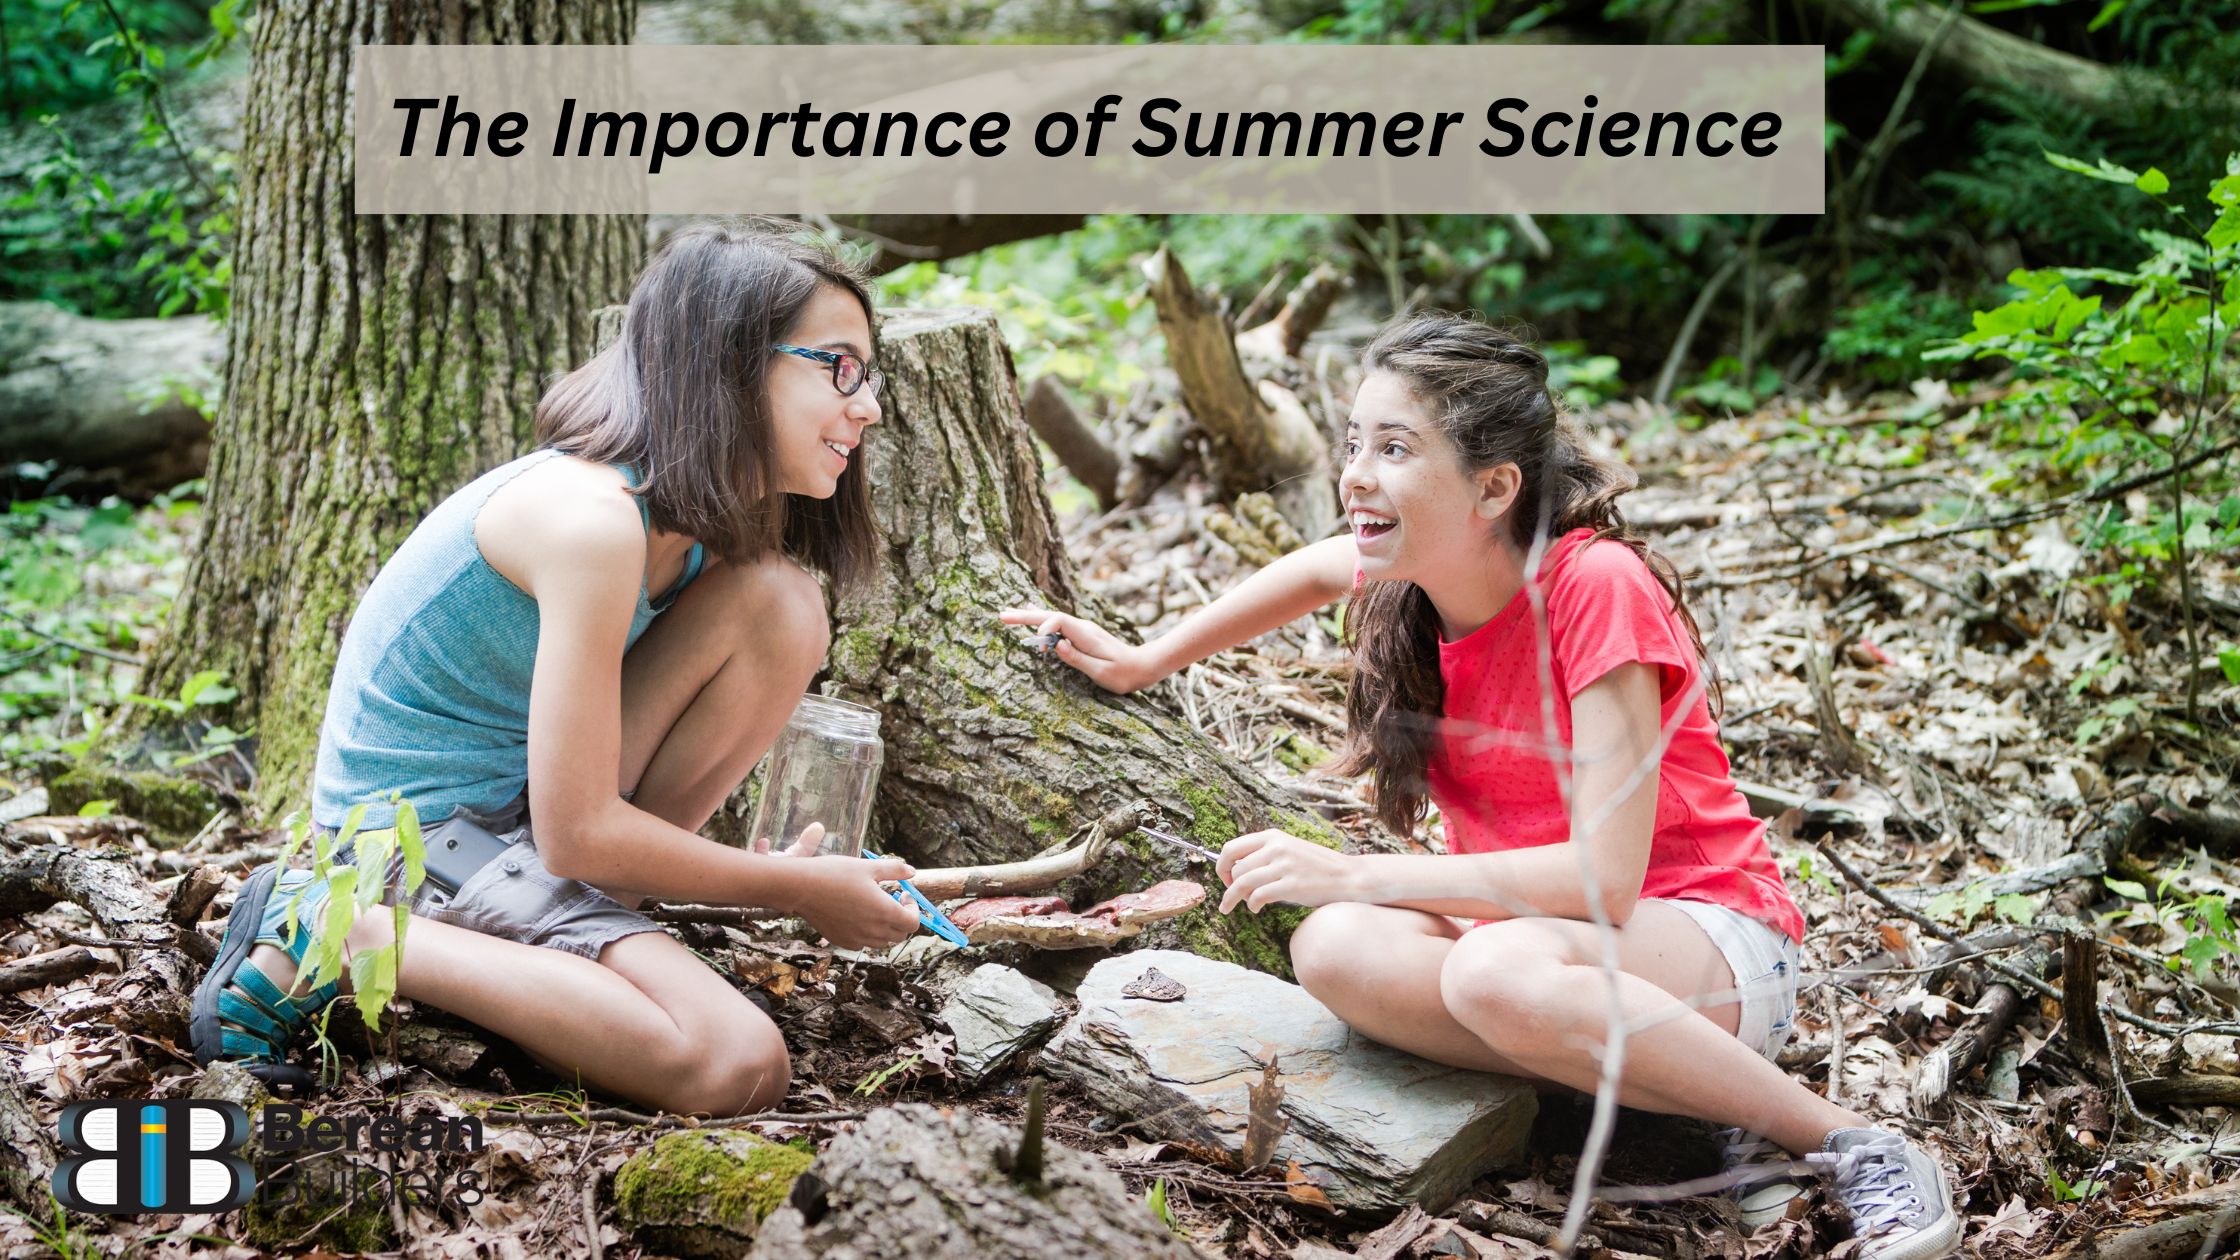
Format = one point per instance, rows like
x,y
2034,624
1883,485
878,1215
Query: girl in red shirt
x,y
1526,662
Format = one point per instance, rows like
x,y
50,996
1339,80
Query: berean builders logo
x,y
184,1155
167,1155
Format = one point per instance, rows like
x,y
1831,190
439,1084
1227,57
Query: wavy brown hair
x,y
684,395
1487,390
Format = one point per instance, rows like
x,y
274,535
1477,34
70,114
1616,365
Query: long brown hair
x,y
683,394
1487,390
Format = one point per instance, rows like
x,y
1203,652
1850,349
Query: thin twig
x,y
154,94
75,646
621,1115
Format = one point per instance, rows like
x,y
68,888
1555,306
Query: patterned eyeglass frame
x,y
871,375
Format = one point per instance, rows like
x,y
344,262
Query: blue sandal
x,y
239,1013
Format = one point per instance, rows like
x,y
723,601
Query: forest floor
x,y
1983,737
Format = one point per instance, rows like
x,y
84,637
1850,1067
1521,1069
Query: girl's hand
x,y
804,845
1270,866
1109,662
842,899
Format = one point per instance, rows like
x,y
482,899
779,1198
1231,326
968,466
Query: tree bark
x,y
98,394
992,752
378,362
947,1183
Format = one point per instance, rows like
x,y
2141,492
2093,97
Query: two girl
x,y
1528,664
572,662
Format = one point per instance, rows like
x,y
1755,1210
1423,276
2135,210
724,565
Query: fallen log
x,y
1981,55
2201,1089
1967,1048
98,394
166,959
2193,1226
1099,927
28,1139
1087,456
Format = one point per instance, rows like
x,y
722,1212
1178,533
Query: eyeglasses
x,y
849,373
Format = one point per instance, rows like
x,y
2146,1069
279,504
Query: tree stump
x,y
917,1181
1262,439
993,753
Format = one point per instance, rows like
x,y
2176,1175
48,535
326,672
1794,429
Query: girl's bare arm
x,y
1295,585
585,571
1615,758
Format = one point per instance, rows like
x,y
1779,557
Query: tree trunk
x,y
992,752
378,363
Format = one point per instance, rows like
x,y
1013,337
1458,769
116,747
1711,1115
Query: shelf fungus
x,y
1047,923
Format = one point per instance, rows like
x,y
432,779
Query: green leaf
x,y
2016,907
414,848
1156,1200
2154,183
2125,888
2106,170
193,688
2106,15
2228,657
2226,230
97,809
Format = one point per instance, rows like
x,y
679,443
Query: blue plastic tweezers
x,y
929,916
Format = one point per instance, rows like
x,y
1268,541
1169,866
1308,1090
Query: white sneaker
x,y
1897,1193
1763,1196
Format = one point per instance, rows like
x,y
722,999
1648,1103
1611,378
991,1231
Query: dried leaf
x,y
1302,1189
1138,1151
773,976
1264,1122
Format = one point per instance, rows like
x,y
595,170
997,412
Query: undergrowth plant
x,y
2126,370
352,889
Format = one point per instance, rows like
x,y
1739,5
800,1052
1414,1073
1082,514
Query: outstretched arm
x,y
1295,585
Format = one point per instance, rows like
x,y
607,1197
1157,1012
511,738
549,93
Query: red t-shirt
x,y
1494,784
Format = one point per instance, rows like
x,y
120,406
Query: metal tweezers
x,y
1195,850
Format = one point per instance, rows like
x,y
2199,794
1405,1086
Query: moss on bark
x,y
174,807
706,1193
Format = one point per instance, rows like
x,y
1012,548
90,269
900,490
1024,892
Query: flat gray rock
x,y
997,1013
1375,1128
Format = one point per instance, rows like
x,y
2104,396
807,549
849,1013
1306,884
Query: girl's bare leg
x,y
705,691
1532,994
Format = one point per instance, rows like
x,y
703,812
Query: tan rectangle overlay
x,y
1359,124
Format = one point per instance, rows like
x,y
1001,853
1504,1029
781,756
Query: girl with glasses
x,y
569,666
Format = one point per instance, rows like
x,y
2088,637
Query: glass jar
x,y
823,769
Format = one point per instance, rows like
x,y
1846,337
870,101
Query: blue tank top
x,y
431,689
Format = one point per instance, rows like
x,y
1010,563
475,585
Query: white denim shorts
x,y
1764,962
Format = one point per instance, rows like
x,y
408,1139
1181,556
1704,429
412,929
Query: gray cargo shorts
x,y
514,897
